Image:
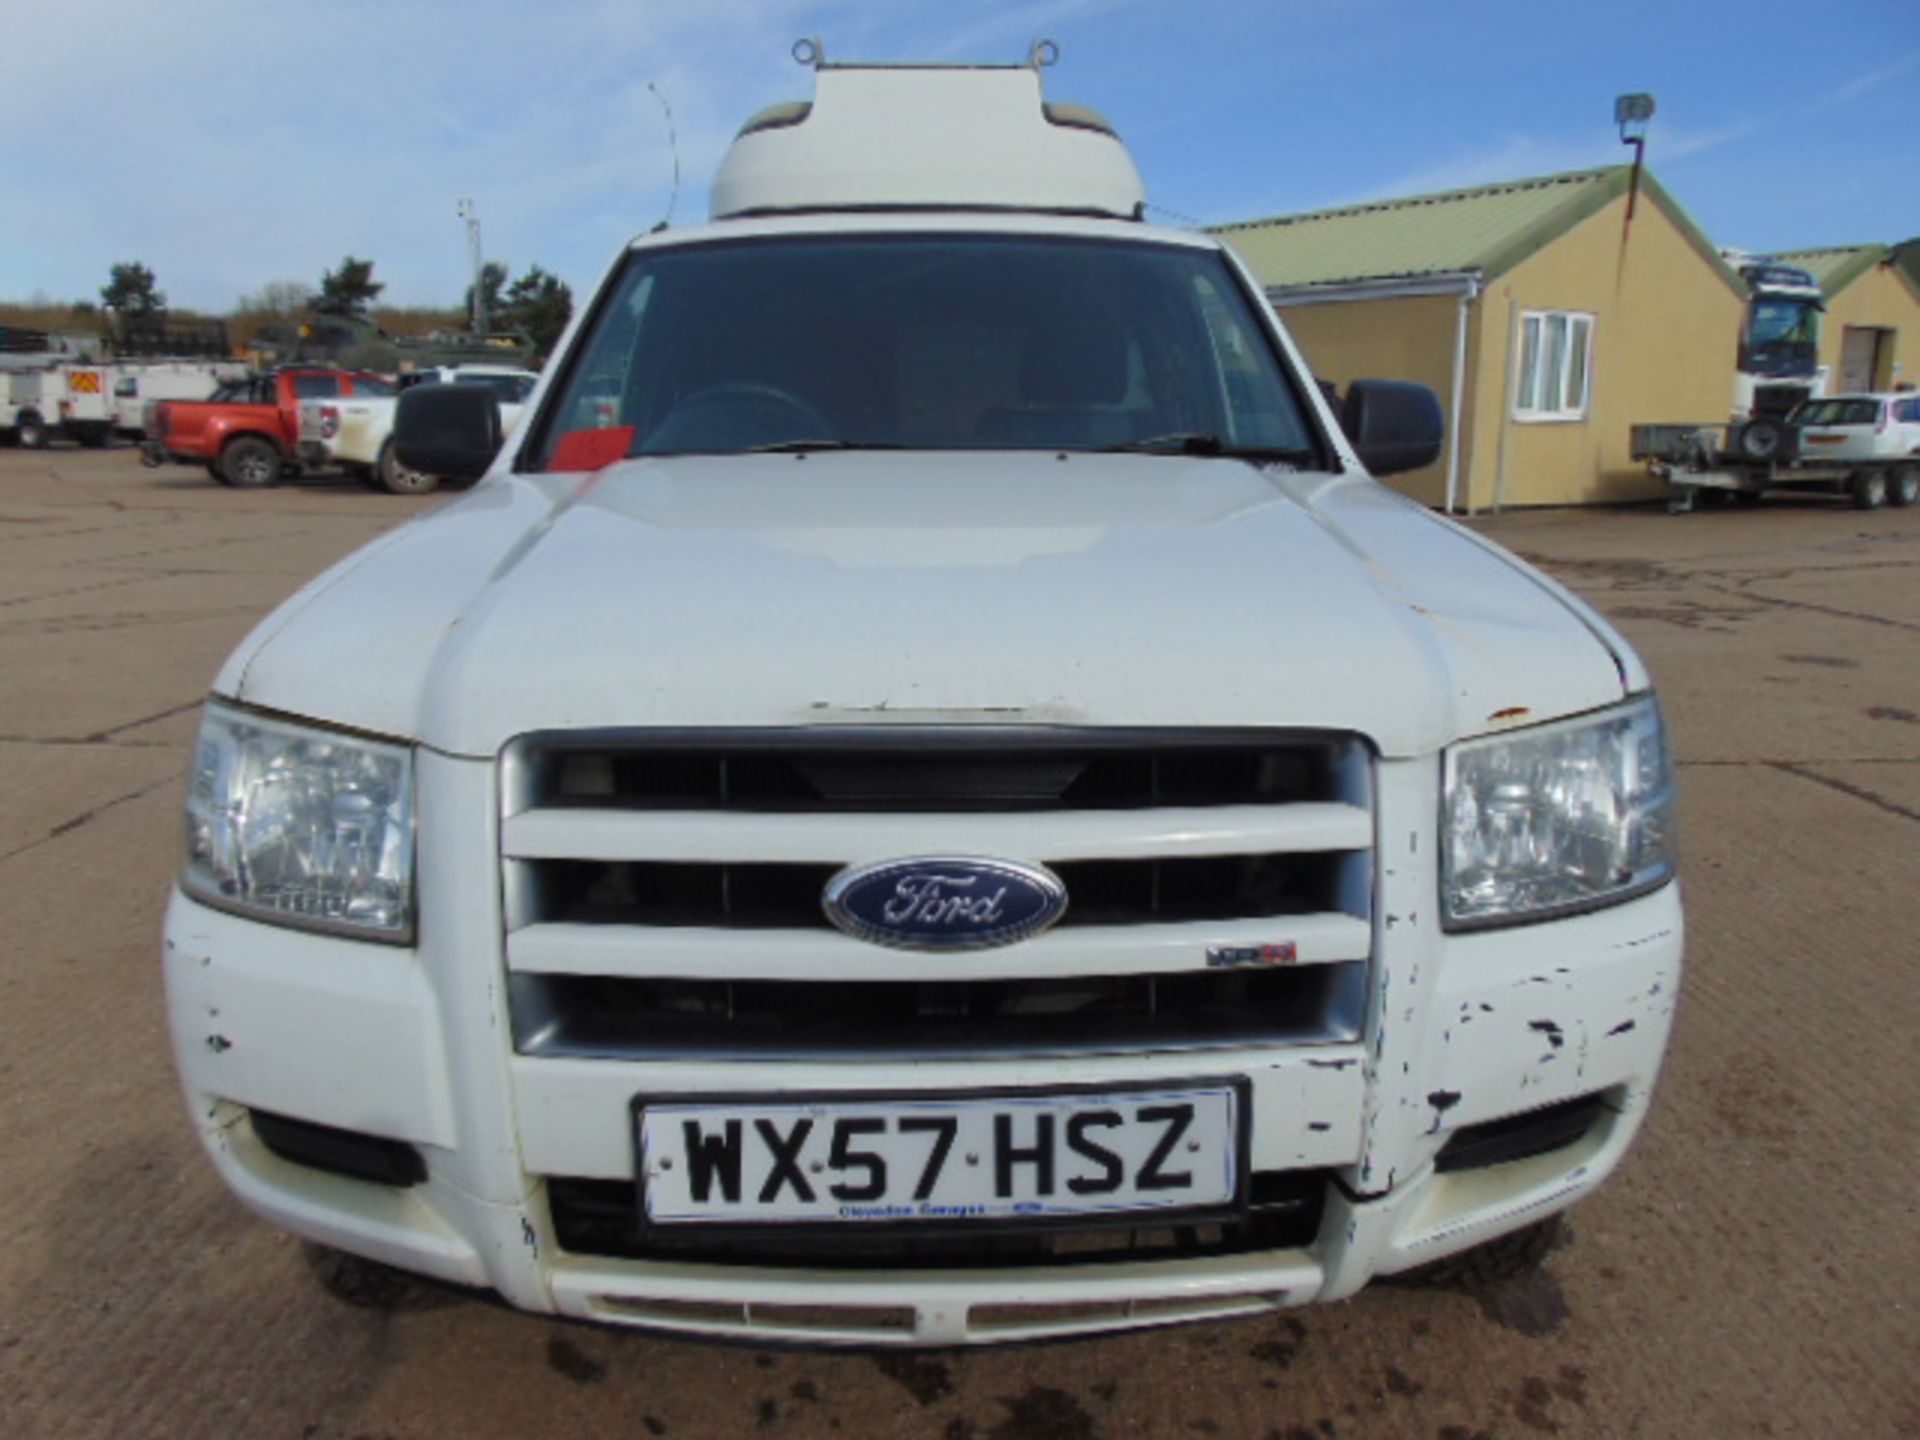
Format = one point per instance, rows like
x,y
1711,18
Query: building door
x,y
1862,347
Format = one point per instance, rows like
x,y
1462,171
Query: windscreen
x,y
928,343
1782,336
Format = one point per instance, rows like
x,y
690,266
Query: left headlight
x,y
1558,818
301,826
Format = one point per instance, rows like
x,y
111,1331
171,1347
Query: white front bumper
x,y
415,1045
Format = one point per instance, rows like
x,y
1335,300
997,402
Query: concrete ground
x,y
1752,1271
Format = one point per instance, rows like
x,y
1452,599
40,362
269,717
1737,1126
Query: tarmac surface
x,y
1750,1272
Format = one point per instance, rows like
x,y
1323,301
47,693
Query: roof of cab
x,y
920,137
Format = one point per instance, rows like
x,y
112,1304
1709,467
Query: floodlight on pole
x,y
476,264
1632,113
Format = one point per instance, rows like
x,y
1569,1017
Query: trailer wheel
x,y
1869,489
33,431
249,462
1903,486
400,479
1759,439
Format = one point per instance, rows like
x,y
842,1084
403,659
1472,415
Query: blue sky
x,y
229,143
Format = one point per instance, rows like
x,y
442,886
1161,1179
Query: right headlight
x,y
301,826
1558,818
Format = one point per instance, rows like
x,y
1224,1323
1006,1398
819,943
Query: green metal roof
x,y
1906,258
1836,266
1486,230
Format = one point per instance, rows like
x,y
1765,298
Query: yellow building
x,y
1870,338
1550,315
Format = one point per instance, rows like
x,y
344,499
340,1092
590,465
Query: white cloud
x,y
1871,80
1666,143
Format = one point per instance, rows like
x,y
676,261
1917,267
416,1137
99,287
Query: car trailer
x,y
1743,461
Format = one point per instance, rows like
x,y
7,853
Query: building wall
x,y
1882,298
1395,339
1665,343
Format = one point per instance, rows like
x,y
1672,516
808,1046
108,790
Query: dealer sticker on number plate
x,y
1027,1155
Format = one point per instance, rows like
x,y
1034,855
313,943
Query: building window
x,y
1556,365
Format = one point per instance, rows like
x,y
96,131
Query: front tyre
x,y
249,463
33,431
400,479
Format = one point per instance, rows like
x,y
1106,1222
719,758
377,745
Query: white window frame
x,y
1553,370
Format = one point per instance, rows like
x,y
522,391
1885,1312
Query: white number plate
x,y
1026,1155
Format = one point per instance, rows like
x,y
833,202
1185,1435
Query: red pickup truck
x,y
245,435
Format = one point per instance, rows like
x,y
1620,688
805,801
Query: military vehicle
x,y
354,342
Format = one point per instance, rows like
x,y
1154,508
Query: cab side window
x,y
316,387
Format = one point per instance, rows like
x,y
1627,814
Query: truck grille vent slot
x,y
663,890
601,1217
777,896
606,1016
769,773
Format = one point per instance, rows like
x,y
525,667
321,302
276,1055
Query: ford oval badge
x,y
945,902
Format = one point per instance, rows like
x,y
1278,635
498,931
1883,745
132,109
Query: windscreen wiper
x,y
1200,442
799,447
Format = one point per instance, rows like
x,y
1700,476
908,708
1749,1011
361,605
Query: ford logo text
x,y
945,902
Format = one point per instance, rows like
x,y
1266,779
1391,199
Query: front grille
x,y
602,1218
663,892
1775,402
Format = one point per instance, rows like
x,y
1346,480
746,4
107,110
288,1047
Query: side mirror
x,y
1394,425
452,431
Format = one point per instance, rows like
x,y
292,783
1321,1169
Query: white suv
x,y
1881,430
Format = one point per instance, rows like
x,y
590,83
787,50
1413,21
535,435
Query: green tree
x,y
493,279
349,289
130,290
540,304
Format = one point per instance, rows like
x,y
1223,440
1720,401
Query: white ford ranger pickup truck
x,y
926,797
355,432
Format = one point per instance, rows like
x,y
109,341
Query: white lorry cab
x,y
926,796
1779,365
